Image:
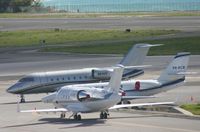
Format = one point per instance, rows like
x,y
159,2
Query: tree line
x,y
18,5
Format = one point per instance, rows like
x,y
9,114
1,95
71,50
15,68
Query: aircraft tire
x,y
78,117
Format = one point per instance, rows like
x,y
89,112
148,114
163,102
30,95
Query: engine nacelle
x,y
101,74
82,95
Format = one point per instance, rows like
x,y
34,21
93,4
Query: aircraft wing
x,y
139,104
136,97
44,110
41,110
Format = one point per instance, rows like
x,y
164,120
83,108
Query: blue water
x,y
123,5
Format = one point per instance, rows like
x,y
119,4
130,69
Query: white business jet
x,y
45,82
172,77
85,99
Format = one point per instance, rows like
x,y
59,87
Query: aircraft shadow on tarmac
x,y
74,123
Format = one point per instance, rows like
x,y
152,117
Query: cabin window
x,y
57,79
80,77
52,79
63,78
85,77
68,78
74,78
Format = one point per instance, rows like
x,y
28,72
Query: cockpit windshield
x,y
26,79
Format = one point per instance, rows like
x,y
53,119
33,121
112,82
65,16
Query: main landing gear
x,y
62,115
76,116
104,115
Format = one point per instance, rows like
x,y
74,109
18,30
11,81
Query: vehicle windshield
x,y
26,79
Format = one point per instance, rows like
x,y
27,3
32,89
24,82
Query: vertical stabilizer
x,y
115,80
136,54
176,69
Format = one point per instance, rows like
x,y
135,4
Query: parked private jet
x,y
85,99
172,77
45,82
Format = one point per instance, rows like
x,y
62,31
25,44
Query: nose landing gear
x,y
22,99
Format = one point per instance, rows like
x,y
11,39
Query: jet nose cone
x,y
9,90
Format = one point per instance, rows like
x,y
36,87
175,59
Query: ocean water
x,y
123,5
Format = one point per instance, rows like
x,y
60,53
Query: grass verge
x,y
73,37
171,46
93,15
193,108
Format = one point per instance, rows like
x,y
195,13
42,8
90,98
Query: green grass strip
x,y
193,108
94,15
72,37
171,46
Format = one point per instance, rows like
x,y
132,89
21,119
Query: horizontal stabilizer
x,y
140,104
150,45
138,66
110,69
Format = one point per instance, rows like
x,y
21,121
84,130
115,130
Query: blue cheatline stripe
x,y
157,87
133,73
181,55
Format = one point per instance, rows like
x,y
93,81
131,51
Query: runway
x,y
14,64
187,23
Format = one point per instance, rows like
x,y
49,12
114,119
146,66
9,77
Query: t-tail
x,y
135,57
115,80
175,71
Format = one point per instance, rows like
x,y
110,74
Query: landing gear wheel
x,y
101,115
104,115
128,102
22,99
78,117
62,115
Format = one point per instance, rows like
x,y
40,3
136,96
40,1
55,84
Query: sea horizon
x,y
122,5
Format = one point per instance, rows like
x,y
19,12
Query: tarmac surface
x,y
187,23
18,63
